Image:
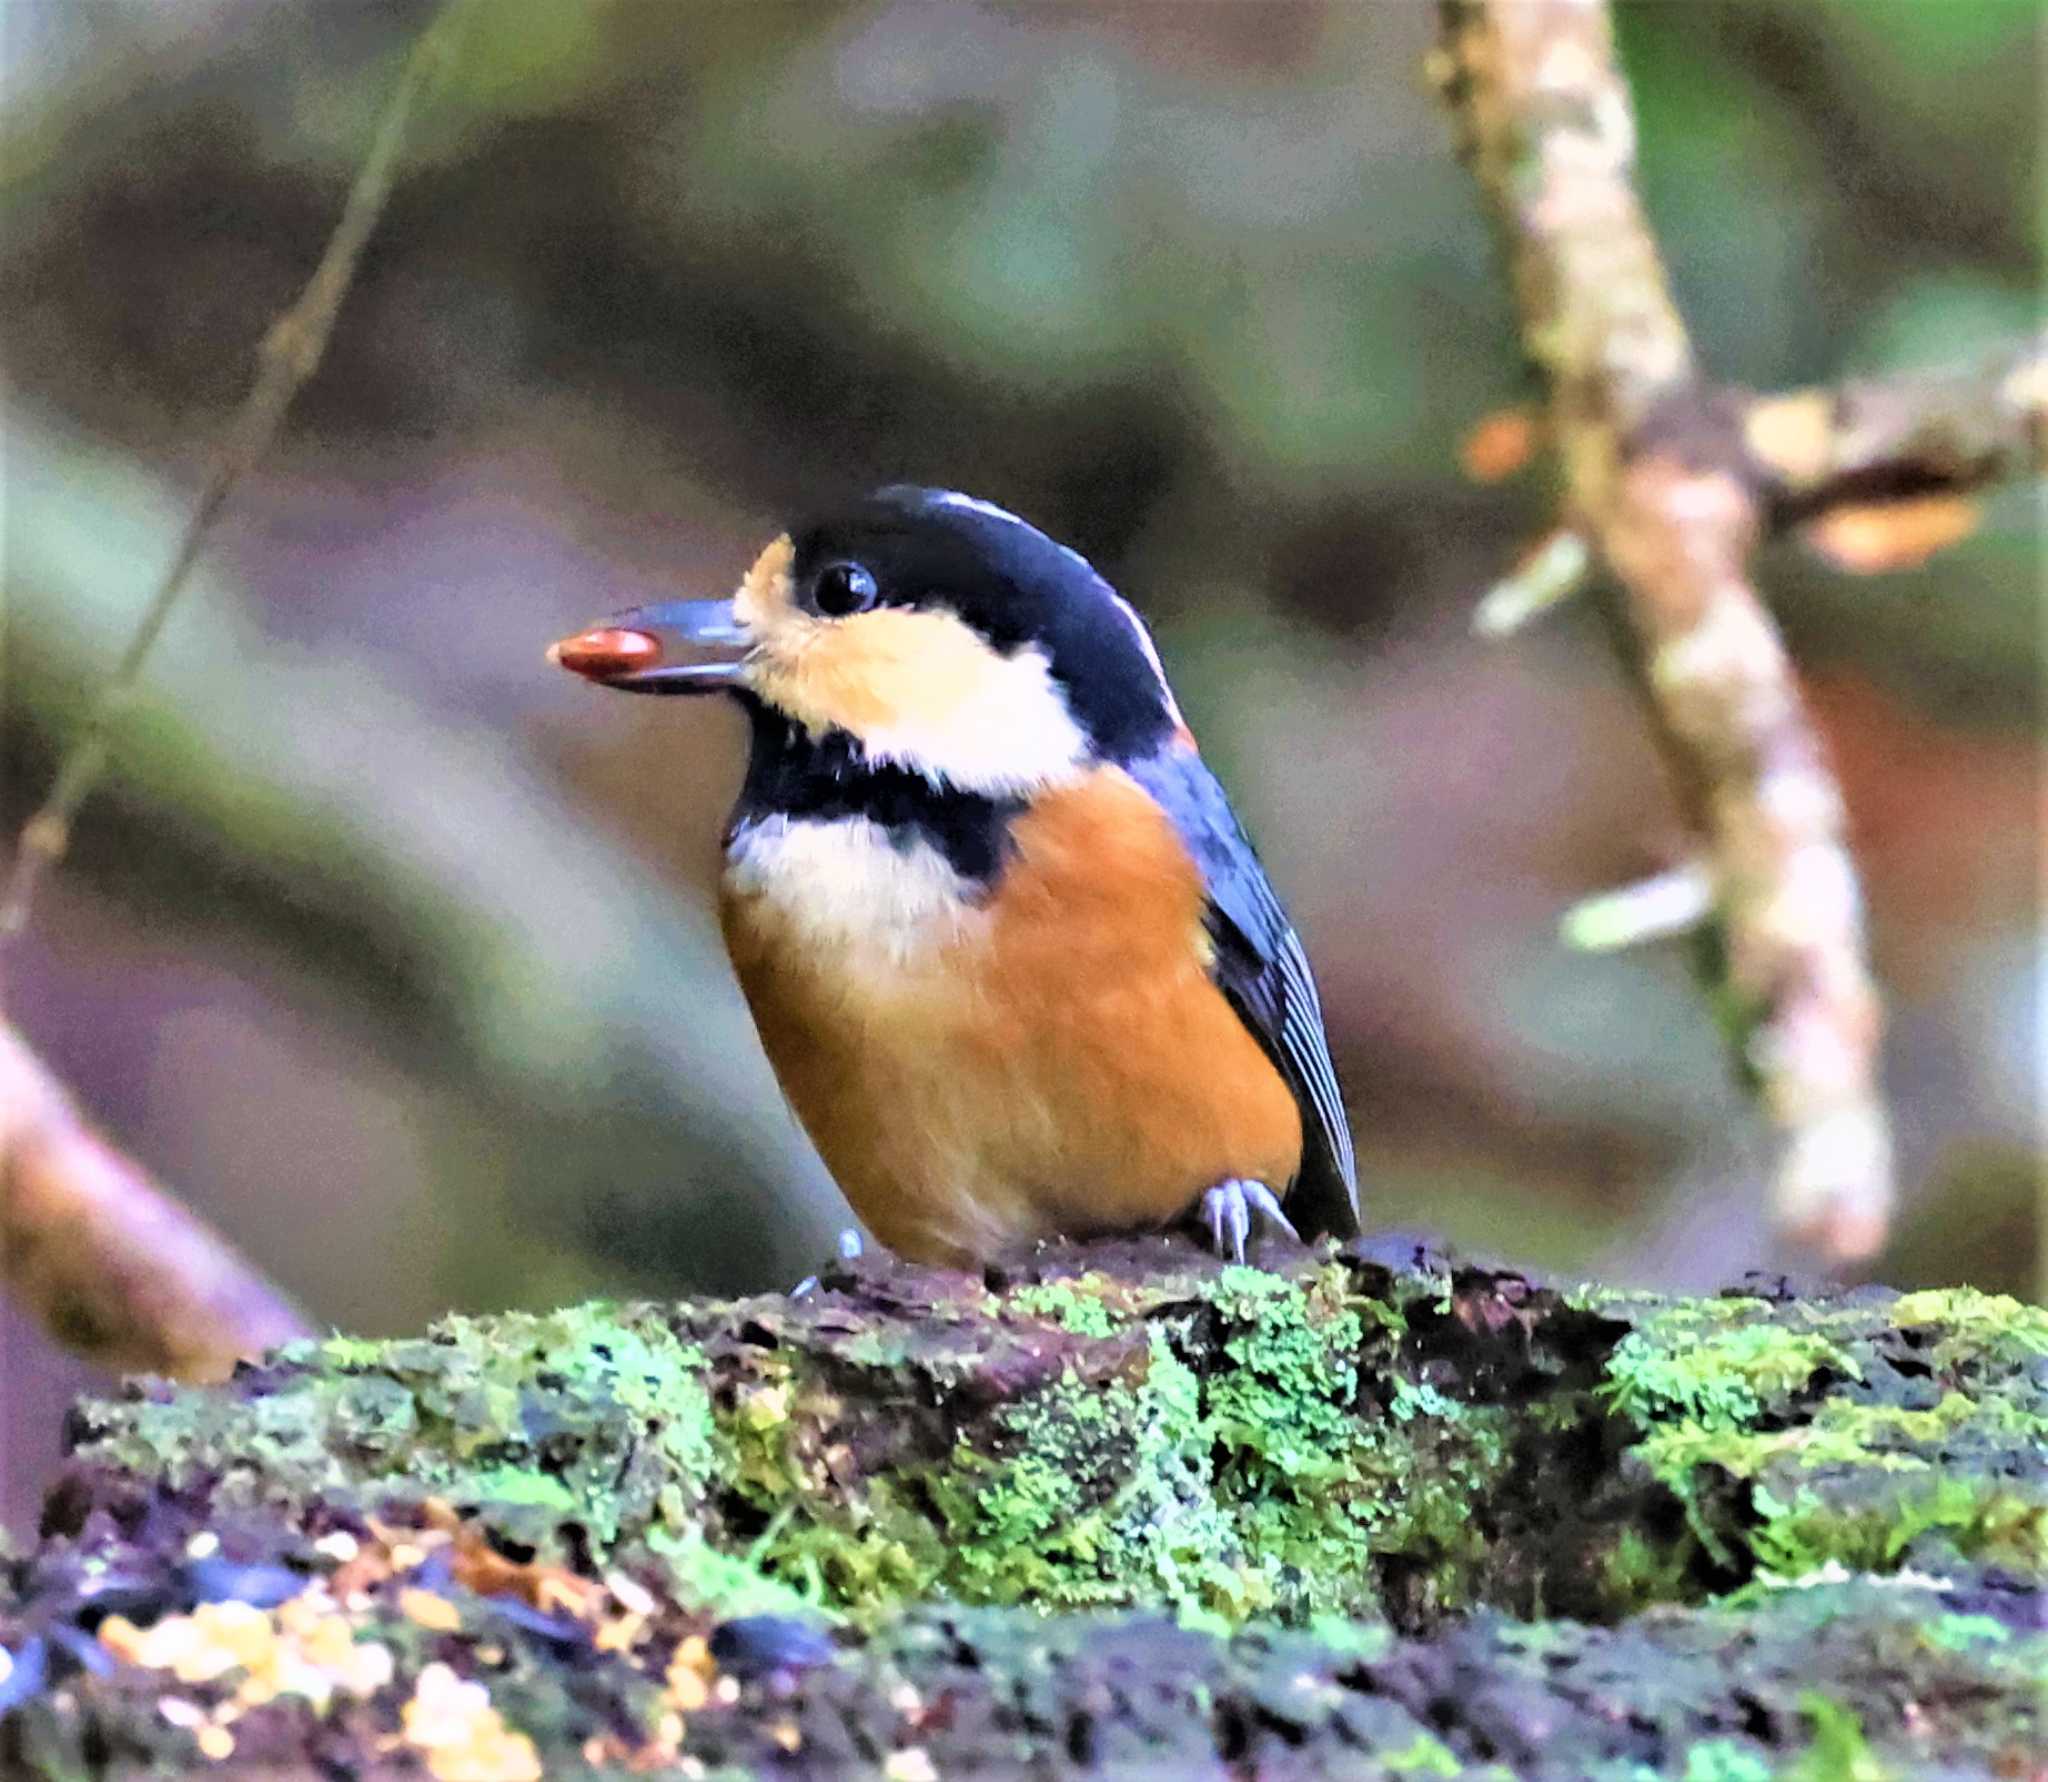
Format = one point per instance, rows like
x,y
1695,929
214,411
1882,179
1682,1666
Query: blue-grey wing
x,y
1261,967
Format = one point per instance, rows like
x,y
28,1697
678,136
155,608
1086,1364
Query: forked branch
x,y
1877,439
1673,499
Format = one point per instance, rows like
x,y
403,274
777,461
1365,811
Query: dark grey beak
x,y
683,646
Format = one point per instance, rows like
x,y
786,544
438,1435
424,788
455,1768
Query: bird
x,y
1018,969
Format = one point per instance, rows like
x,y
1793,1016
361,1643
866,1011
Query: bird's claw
x,y
850,1248
1227,1210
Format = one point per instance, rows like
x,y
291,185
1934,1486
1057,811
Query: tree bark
x,y
1116,1506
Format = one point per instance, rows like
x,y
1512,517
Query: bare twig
x,y
1879,439
1553,570
1672,903
112,1265
1547,126
289,355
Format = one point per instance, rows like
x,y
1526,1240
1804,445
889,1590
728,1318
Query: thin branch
x,y
111,1264
1553,571
1878,439
1548,129
289,355
1655,909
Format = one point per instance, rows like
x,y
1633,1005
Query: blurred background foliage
x,y
390,946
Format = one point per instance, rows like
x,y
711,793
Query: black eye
x,y
843,588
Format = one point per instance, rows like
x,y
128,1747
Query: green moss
x,y
1097,1494
597,1415
1425,1757
1300,1474
1324,1440
1839,1752
1267,1481
756,1438
1452,1468
701,1577
885,1553
1723,1760
1350,1636
1323,1484
1641,1571
1828,1469
1978,1517
525,1486
1715,1364
1074,1305
1975,1327
1958,1633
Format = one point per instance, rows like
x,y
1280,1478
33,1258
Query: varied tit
x,y
1017,967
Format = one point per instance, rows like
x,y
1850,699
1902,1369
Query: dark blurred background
x,y
389,946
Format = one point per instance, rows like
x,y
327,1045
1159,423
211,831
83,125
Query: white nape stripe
x,y
1143,633
988,510
973,504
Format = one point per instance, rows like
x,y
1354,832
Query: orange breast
x,y
1051,1059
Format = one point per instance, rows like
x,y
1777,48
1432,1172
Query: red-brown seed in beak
x,y
607,651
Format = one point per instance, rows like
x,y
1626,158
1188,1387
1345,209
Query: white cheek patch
x,y
842,888
1006,733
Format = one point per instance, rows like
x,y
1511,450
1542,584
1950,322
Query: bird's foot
x,y
851,1249
1227,1209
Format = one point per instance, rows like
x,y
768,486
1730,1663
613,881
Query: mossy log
x,y
1114,1510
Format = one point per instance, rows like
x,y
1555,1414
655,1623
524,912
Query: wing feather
x,y
1261,967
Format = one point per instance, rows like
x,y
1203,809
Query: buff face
x,y
930,631
916,686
